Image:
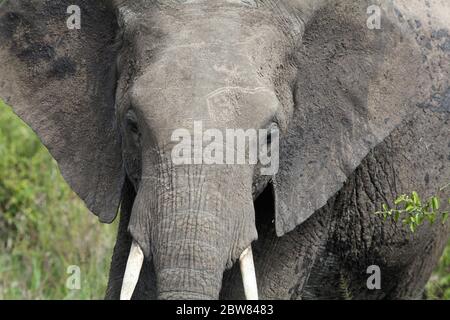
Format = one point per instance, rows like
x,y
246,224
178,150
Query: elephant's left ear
x,y
61,81
354,86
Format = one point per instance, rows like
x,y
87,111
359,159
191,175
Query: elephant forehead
x,y
246,3
208,83
209,21
217,107
220,33
200,66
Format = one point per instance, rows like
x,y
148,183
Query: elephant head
x,y
107,98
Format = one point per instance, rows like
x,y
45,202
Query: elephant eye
x,y
132,123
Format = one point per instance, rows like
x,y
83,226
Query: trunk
x,y
194,222
190,255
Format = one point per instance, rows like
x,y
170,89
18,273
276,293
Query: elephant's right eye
x,y
132,123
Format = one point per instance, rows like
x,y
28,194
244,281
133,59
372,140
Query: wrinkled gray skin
x,y
363,116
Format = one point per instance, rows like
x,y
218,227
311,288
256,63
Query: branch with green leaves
x,y
413,211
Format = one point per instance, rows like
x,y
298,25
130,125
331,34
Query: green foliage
x,y
44,226
438,287
413,211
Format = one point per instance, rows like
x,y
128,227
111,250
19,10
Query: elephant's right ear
x,y
61,82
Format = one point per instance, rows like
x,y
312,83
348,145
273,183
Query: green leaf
x,y
416,198
444,217
435,203
419,218
399,199
415,213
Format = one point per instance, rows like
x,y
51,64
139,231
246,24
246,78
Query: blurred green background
x,y
45,228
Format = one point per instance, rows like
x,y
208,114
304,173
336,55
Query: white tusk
x,y
132,271
248,274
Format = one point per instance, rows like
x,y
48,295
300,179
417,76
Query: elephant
x,y
357,91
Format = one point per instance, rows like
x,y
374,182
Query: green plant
x,y
44,226
438,286
413,211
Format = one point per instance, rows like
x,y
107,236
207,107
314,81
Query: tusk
x,y
132,271
248,274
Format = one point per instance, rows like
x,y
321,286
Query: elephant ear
x,y
61,82
354,86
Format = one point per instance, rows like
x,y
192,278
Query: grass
x,y
45,228
438,287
